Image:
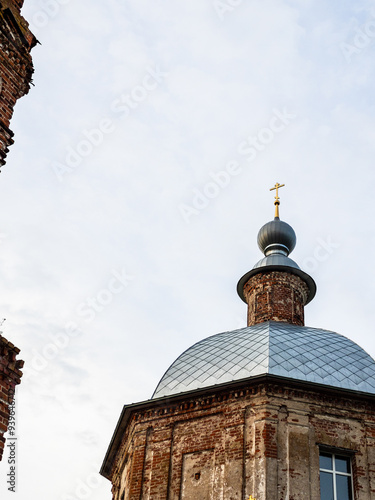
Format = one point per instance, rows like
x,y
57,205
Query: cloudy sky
x,y
139,178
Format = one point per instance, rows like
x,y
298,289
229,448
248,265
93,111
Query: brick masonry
x,y
10,376
261,438
16,68
276,296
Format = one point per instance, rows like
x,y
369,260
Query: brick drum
x,y
276,296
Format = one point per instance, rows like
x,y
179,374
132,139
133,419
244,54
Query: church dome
x,y
274,348
275,342
276,237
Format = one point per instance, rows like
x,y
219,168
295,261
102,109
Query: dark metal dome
x,y
276,237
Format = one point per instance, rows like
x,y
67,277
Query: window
x,y
335,477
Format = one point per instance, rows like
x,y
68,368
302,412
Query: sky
x,y
140,175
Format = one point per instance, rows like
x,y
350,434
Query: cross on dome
x,y
277,199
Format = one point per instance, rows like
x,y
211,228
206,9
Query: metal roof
x,y
276,260
297,352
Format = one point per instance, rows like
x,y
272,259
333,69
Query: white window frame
x,y
334,472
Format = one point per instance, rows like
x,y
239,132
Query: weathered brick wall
x,y
10,376
261,440
276,296
16,67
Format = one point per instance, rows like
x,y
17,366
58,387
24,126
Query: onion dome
x,y
276,237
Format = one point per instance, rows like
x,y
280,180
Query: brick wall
x,y
10,376
260,439
16,67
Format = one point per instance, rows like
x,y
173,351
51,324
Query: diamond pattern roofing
x,y
275,348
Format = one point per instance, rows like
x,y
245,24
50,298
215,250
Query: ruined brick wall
x,y
16,70
276,296
260,439
10,376
16,66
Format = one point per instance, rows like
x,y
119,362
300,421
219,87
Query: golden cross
x,y
277,199
251,497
